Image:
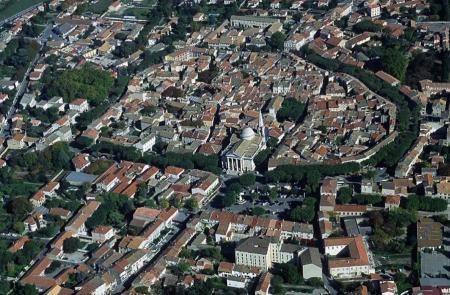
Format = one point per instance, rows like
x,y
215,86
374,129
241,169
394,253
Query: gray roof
x,y
290,248
434,264
311,256
442,282
256,245
387,185
351,227
80,178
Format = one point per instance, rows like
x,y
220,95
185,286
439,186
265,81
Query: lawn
x,y
6,71
139,13
11,7
99,7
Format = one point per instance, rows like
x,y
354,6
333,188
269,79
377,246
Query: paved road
x,y
4,131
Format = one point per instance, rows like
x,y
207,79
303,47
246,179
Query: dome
x,y
247,133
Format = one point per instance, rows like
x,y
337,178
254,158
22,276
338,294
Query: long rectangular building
x,y
248,21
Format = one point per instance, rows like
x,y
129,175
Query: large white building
x,y
263,251
248,21
238,157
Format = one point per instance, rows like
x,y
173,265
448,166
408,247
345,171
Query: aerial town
x,y
225,147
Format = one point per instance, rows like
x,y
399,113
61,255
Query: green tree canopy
x,y
247,179
395,63
344,195
291,109
258,211
277,41
71,245
88,82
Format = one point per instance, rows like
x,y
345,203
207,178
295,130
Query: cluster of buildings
x,y
173,182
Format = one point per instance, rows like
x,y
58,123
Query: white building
x,y
374,10
248,21
311,263
80,105
262,252
239,155
146,143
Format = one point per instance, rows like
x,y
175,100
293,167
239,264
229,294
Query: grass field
x,y
100,6
11,7
140,13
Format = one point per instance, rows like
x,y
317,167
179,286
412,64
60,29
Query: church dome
x,y
247,133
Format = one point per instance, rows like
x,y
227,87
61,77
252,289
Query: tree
x,y
273,193
421,66
402,217
228,199
164,204
423,203
446,66
31,249
302,213
70,245
176,202
315,282
27,289
19,227
395,63
344,195
291,109
258,211
88,82
186,253
366,26
112,211
253,196
277,41
247,179
183,268
289,273
213,253
365,199
84,142
19,207
402,282
312,179
53,266
192,203
277,283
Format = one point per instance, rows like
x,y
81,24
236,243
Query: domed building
x,y
247,133
238,157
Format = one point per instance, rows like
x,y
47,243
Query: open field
x,y
100,6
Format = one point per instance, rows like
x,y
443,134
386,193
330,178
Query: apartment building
x,y
248,21
262,252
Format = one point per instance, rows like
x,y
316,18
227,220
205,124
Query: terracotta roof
x,y
102,229
357,255
173,170
18,244
146,213
350,208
